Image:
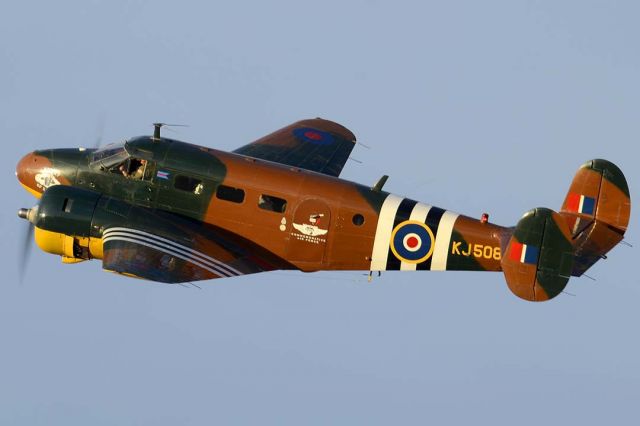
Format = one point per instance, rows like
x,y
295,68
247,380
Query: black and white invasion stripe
x,y
404,211
396,210
170,247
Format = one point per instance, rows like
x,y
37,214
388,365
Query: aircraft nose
x,y
27,169
25,166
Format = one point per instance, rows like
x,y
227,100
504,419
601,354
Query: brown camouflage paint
x,y
329,223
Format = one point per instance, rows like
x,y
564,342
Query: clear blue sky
x,y
472,106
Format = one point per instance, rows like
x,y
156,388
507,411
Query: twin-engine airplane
x,y
164,210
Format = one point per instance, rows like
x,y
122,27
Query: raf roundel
x,y
412,242
314,136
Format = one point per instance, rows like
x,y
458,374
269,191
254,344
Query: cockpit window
x,y
109,156
136,168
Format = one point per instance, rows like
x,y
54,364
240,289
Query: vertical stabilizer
x,y
596,209
539,256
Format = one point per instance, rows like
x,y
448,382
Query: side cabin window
x,y
188,184
271,203
228,193
136,169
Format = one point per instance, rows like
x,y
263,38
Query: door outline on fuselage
x,y
309,233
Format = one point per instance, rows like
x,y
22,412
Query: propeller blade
x,y
171,125
98,141
26,252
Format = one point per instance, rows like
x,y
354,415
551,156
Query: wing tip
x,y
330,126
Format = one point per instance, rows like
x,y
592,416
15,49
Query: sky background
x,y
472,106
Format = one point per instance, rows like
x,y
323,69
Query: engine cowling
x,y
62,221
79,224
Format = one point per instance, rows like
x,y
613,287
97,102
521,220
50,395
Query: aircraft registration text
x,y
462,248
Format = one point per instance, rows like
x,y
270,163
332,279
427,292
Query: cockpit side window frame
x,y
110,156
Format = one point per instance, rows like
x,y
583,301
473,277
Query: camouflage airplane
x,y
168,211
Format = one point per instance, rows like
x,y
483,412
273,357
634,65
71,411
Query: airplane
x,y
160,209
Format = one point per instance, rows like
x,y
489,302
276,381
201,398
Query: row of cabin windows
x,y
228,193
265,202
236,195
137,169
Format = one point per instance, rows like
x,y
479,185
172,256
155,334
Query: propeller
x,y
27,242
98,141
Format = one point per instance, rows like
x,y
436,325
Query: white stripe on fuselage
x,y
383,232
443,239
419,214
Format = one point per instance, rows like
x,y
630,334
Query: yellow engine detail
x,y
95,247
66,259
72,249
54,243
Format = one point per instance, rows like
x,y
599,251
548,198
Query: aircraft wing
x,y
318,145
164,247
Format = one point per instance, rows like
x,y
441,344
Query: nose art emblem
x,y
47,177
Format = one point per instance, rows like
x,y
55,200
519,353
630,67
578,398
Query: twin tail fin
x,y
547,247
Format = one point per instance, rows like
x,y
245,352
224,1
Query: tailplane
x,y
547,248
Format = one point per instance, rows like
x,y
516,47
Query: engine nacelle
x,y
62,223
79,224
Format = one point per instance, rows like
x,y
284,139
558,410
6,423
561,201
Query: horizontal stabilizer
x,y
539,256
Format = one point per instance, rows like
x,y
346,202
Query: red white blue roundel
x,y
412,242
318,137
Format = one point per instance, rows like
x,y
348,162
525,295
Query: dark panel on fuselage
x,y
187,179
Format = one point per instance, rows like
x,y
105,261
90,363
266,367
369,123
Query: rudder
x,y
539,256
596,209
